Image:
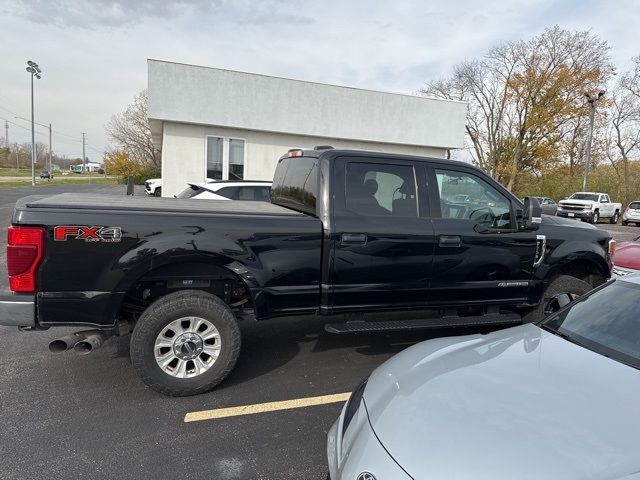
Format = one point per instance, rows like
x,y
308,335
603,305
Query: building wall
x,y
184,151
210,96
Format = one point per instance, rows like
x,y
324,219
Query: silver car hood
x,y
519,403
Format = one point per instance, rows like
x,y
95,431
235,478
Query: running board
x,y
441,322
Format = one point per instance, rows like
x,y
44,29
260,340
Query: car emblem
x,y
366,476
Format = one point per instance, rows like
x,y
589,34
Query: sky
x,y
93,53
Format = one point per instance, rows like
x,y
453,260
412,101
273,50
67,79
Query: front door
x,y
480,256
382,240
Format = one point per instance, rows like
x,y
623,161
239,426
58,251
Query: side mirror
x,y
532,215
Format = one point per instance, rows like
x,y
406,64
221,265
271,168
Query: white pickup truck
x,y
589,206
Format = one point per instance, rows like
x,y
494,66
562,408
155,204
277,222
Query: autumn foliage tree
x,y
526,98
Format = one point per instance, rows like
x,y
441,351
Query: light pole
x,y
34,71
593,100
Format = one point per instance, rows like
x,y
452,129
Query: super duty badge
x,y
62,233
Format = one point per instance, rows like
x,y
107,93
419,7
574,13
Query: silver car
x,y
556,400
632,214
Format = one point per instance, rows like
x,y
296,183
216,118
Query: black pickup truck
x,y
347,232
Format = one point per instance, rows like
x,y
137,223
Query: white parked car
x,y
256,191
153,186
632,214
589,206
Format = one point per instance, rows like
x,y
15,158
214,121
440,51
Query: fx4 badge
x,y
62,233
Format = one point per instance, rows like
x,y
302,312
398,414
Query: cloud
x,y
93,14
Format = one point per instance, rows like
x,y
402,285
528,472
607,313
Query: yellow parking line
x,y
265,407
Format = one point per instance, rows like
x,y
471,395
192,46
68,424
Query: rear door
x,y
479,254
382,240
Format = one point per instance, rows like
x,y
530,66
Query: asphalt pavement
x,y
68,416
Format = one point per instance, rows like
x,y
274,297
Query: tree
x,y
525,98
623,135
131,133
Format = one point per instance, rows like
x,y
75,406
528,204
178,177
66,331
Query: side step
x,y
439,322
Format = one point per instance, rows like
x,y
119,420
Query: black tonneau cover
x,y
74,201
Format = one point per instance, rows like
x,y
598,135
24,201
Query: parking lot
x,y
69,416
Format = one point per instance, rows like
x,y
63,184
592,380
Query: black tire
x,y
614,219
595,217
158,316
559,285
158,192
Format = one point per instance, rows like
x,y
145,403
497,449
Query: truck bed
x,y
75,201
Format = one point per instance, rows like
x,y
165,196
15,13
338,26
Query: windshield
x,y
585,196
634,205
192,191
606,322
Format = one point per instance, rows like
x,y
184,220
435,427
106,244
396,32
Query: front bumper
x,y
17,310
585,214
359,451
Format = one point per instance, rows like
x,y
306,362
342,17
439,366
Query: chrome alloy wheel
x,y
187,347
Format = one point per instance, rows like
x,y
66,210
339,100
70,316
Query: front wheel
x,y
595,217
557,294
158,192
185,343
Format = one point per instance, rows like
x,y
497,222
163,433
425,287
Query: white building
x,y
222,124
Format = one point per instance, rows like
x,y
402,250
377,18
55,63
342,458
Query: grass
x,y
60,181
12,172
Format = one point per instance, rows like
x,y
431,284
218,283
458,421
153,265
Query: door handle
x,y
353,239
450,241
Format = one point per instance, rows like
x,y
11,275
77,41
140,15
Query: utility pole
x,y
84,159
34,71
592,100
6,138
50,171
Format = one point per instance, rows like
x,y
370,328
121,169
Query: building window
x,y
236,159
214,158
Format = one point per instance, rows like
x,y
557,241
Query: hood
x,y
518,403
627,255
566,222
154,180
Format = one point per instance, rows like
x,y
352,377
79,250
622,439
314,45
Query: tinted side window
x,y
226,192
253,194
485,204
295,184
374,189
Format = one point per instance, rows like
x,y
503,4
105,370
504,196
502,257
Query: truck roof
x,y
331,153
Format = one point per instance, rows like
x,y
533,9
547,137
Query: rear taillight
x,y
24,252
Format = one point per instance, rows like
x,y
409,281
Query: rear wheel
x,y
561,291
185,343
615,217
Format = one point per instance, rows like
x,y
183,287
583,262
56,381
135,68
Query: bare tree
x,y
623,135
131,133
